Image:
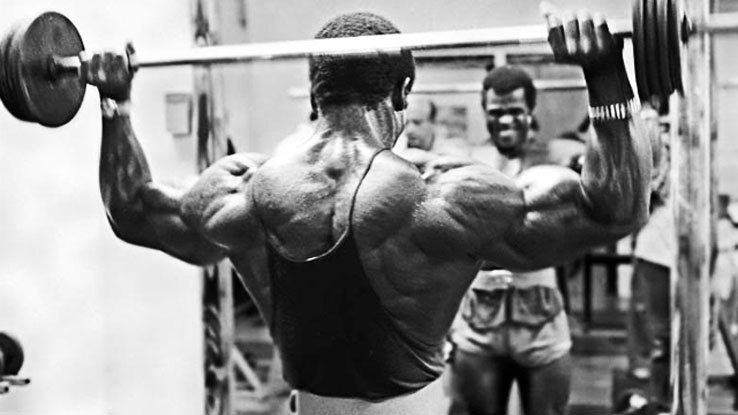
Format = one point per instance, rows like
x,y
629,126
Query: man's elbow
x,y
129,230
623,218
193,252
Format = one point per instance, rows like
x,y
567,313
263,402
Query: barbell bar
x,y
40,59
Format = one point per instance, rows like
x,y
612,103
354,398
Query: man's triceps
x,y
170,233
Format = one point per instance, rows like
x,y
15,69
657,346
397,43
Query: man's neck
x,y
356,122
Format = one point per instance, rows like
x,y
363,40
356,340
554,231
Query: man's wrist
x,y
613,112
115,108
608,85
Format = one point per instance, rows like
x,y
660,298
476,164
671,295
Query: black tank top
x,y
334,336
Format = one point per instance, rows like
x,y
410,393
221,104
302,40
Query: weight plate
x,y
51,102
652,48
14,80
7,93
662,25
13,354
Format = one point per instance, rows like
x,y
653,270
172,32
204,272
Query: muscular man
x,y
511,326
357,264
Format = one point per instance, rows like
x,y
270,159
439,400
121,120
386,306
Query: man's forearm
x,y
124,172
617,165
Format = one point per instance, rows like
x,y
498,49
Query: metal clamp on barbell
x,y
64,65
60,66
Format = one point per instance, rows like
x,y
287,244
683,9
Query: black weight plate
x,y
52,102
7,93
15,82
13,354
652,47
664,59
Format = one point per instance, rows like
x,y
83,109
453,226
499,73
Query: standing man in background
x,y
423,137
420,123
511,326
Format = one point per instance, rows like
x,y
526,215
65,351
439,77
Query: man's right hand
x,y
581,39
111,73
586,41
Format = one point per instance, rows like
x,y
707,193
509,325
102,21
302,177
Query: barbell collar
x,y
64,65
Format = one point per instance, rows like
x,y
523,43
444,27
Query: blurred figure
x,y
424,137
649,322
420,123
416,143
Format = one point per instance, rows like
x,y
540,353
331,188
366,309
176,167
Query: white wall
x,y
107,328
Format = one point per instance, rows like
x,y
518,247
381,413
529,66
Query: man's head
x,y
508,99
420,122
364,80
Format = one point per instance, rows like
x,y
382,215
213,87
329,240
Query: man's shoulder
x,y
234,165
389,193
393,175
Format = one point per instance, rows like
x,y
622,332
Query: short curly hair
x,y
506,79
359,79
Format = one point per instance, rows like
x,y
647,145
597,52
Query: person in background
x,y
648,318
511,326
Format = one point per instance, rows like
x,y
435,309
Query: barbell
x,y
40,59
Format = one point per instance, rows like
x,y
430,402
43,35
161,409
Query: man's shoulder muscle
x,y
473,204
219,202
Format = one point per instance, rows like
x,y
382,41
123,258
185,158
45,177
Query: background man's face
x,y
419,129
508,121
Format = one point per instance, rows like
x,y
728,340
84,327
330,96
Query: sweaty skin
x,y
420,242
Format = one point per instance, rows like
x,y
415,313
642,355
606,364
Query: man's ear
x,y
399,94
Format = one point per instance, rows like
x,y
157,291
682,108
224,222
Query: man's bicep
x,y
555,222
